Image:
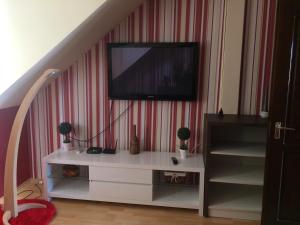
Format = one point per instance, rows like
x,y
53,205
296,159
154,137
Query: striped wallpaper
x,y
258,52
80,95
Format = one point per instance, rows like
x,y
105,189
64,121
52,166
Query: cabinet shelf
x,y
182,196
239,149
245,174
64,188
239,198
235,150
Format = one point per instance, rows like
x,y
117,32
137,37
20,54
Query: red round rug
x,y
41,216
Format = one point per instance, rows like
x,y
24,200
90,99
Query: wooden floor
x,y
74,212
99,213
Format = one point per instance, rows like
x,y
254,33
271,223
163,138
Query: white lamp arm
x,y
10,176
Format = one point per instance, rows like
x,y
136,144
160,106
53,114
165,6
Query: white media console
x,y
125,178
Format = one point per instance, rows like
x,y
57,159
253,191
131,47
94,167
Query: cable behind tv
x,y
106,128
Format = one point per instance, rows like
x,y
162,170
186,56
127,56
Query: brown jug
x,y
134,143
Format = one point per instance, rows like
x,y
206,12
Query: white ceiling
x,y
64,51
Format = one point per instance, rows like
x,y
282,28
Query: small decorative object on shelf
x,y
65,129
70,171
264,114
220,113
172,177
183,134
134,144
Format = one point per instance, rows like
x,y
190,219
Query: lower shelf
x,y
248,175
181,196
70,188
240,201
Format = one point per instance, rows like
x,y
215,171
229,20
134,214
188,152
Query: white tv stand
x,y
124,178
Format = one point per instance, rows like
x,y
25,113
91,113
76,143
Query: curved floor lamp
x,y
11,207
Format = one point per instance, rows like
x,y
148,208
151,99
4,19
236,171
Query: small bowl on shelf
x,y
70,171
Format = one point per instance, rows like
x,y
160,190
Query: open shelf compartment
x,y
239,149
235,201
64,188
251,175
184,194
176,196
61,186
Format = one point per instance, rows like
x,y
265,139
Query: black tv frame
x,y
192,97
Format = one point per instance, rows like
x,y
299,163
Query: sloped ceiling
x,y
104,18
30,28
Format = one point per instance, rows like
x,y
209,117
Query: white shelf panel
x,y
61,177
123,159
176,196
237,199
70,188
244,174
240,149
244,215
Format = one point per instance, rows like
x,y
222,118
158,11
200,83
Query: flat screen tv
x,y
157,71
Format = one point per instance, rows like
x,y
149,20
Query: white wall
x,y
232,55
31,28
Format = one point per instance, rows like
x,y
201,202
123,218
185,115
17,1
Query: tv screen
x,y
160,71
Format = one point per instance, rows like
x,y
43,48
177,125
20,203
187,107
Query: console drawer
x,y
123,175
114,192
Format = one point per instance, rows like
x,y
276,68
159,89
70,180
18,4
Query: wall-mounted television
x,y
157,71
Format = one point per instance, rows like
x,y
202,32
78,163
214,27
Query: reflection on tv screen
x,y
153,72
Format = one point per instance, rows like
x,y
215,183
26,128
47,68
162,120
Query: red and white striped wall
x,y
258,53
80,95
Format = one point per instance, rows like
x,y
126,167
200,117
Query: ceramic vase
x,y
183,153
